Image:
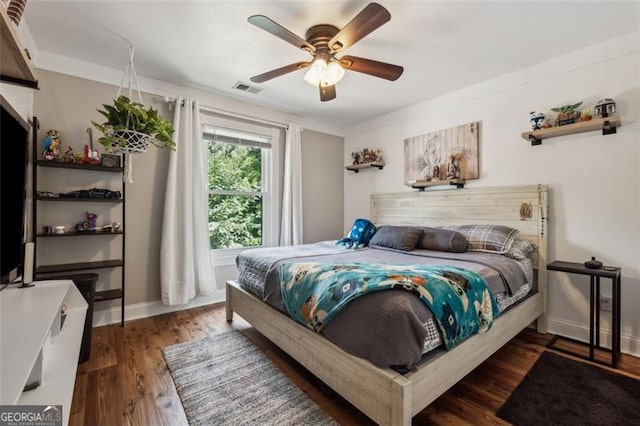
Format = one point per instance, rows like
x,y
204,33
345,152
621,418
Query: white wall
x,y
594,180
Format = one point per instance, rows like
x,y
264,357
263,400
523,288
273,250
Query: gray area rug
x,y
562,391
226,380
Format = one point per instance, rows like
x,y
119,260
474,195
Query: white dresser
x,y
31,341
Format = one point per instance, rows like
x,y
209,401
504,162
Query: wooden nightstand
x,y
594,312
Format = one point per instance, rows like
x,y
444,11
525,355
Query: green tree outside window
x,y
235,198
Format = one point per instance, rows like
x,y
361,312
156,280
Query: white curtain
x,y
291,226
185,265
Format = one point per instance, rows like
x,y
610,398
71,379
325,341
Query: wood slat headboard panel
x,y
494,205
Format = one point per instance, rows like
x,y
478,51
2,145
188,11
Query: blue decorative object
x,y
360,235
536,120
52,145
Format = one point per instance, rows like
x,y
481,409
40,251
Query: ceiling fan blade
x,y
365,22
279,71
327,93
281,32
371,67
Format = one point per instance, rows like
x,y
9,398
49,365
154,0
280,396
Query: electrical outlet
x,y
605,304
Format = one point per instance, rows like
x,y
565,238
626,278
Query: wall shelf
x,y
78,166
15,66
101,296
79,234
84,200
458,183
69,267
357,167
606,124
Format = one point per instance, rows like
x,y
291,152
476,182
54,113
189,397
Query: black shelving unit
x,y
42,271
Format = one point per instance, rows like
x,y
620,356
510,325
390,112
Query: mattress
x,y
389,328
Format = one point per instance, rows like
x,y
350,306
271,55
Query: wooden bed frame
x,y
387,397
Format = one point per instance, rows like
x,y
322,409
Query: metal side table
x,y
594,309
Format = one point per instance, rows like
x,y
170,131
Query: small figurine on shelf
x,y
369,155
89,156
88,225
436,172
52,145
567,114
547,124
453,167
357,157
112,227
536,120
586,115
605,107
378,153
68,156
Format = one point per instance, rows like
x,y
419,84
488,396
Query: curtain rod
x,y
236,115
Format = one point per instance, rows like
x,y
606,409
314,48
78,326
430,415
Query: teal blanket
x,y
460,300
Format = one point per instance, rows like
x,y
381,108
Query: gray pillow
x,y
442,240
397,237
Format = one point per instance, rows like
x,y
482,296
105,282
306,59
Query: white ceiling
x,y
443,45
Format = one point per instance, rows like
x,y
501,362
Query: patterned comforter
x,y
389,328
460,300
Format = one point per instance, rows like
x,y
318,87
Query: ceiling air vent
x,y
246,88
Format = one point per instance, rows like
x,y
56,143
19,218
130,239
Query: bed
x,y
384,394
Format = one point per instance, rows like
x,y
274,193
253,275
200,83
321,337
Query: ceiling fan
x,y
323,42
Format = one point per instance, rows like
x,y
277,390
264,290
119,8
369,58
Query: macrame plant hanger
x,y
136,142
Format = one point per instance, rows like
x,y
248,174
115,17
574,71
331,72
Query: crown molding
x,y
94,72
599,53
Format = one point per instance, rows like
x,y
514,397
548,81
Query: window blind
x,y
219,134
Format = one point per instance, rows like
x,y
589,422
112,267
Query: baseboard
x,y
150,309
628,344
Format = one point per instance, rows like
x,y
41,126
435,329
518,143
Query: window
x,y
240,188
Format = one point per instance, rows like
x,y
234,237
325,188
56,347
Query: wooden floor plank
x,y
79,403
102,353
127,381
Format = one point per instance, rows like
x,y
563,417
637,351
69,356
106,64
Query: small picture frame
x,y
110,160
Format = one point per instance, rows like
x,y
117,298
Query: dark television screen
x,y
13,170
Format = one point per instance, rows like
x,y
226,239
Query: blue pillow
x,y
360,234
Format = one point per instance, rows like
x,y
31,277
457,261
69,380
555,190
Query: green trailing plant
x,y
126,115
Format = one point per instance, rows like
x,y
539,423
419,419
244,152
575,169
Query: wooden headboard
x,y
520,207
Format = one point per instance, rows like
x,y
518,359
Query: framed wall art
x,y
110,160
443,155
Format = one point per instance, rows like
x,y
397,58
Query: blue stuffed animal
x,y
361,232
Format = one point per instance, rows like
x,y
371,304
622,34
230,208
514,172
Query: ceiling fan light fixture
x,y
334,73
316,72
320,73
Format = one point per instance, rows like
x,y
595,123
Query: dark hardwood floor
x,y
126,381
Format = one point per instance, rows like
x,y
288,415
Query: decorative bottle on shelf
x,y
593,264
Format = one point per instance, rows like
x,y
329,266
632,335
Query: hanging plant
x,y
130,127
